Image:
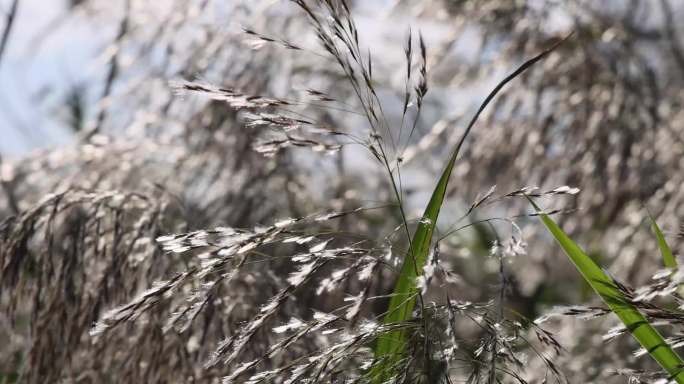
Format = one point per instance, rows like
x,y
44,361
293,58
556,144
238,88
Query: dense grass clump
x,y
225,237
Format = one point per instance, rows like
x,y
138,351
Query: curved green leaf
x,y
634,321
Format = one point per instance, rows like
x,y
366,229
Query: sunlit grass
x,y
635,322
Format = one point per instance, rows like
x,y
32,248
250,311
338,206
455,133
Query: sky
x,y
52,51
47,54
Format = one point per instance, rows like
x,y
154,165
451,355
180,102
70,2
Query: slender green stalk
x,y
391,346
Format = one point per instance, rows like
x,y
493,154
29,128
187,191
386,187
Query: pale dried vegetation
x,y
239,208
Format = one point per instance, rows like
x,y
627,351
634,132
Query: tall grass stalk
x,y
392,345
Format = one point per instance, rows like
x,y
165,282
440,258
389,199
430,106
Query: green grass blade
x,y
634,321
668,258
391,346
404,298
